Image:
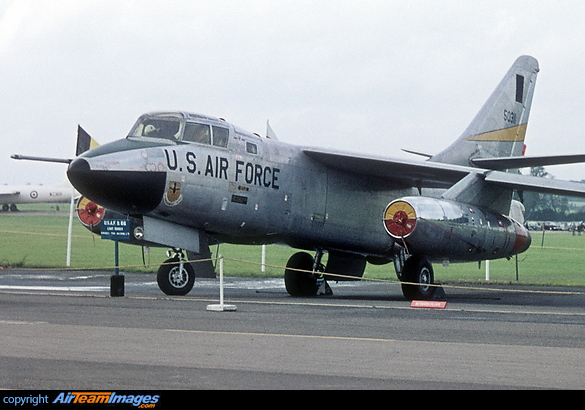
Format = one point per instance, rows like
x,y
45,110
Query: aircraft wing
x,y
6,190
438,175
398,171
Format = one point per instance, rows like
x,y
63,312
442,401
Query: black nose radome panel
x,y
132,192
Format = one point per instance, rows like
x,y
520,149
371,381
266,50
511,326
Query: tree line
x,y
547,207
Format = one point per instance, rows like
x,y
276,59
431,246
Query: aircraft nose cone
x,y
131,192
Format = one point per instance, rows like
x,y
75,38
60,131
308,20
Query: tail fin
x,y
499,128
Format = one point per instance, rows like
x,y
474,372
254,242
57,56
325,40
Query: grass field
x,y
38,239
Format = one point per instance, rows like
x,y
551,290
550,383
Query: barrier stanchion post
x,y
221,307
116,280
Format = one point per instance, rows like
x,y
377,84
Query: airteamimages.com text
x,y
144,401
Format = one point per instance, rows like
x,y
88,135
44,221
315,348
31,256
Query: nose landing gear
x,y
176,276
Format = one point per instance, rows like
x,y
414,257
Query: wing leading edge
x,y
398,172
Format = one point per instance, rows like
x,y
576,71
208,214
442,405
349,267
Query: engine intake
x,y
445,229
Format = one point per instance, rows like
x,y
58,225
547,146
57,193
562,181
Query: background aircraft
x,y
13,195
189,180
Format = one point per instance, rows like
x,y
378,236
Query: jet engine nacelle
x,y
442,229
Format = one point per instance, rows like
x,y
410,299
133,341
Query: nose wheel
x,y
175,276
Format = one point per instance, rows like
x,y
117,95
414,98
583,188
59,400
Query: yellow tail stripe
x,y
511,134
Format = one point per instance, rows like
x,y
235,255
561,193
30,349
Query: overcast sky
x,y
365,76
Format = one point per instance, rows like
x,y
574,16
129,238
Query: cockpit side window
x,y
251,148
157,128
199,133
220,136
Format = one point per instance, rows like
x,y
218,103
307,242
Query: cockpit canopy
x,y
182,127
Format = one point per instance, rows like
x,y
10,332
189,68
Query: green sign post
x,y
116,230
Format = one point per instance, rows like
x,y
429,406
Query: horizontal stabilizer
x,y
525,162
521,182
422,154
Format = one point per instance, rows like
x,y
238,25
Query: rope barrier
x,y
334,275
409,283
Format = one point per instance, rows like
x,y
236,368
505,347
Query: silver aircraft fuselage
x,y
249,190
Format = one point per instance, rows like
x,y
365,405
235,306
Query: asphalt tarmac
x,y
63,330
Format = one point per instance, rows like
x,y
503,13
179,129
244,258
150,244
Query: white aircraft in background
x,y
12,195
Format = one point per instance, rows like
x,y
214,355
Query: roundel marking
x,y
399,219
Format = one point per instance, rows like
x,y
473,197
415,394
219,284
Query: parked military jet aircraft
x,y
13,195
188,180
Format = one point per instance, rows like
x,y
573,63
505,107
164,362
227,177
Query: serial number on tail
x,y
510,117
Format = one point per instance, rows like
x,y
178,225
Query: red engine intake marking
x,y
89,213
399,219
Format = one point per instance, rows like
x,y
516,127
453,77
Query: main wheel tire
x,y
300,284
419,272
173,280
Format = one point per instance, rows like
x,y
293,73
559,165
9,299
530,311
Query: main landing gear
x,y
303,276
417,278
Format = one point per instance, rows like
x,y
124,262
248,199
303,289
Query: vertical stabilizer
x,y
499,128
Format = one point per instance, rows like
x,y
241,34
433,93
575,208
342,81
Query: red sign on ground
x,y
432,304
